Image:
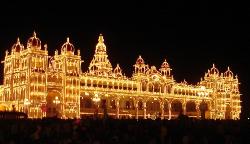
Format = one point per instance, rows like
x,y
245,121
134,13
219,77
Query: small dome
x,y
17,47
139,60
34,41
214,71
228,73
165,64
67,46
117,69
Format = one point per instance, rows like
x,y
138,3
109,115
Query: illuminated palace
x,y
45,86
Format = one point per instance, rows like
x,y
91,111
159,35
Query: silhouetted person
x,y
182,116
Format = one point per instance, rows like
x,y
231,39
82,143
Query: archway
x,y
126,108
166,109
203,109
176,108
86,103
153,108
191,109
53,106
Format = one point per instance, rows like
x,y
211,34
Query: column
x,y
169,111
117,108
184,108
197,111
144,109
136,108
162,110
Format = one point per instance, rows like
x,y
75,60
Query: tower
x,y
165,69
226,97
35,62
100,64
232,95
13,94
25,77
140,66
66,68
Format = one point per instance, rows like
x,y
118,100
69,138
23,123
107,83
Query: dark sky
x,y
191,35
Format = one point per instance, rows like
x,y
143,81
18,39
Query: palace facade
x,y
45,86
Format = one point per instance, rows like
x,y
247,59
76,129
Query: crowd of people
x,y
123,131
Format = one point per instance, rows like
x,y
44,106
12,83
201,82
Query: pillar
x,y
169,111
144,109
197,111
136,108
184,108
117,108
162,110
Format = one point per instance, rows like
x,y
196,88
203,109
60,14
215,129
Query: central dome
x,y
34,41
67,46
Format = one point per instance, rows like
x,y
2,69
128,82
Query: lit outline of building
x,y
43,85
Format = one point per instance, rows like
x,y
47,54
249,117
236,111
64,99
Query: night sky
x,y
191,35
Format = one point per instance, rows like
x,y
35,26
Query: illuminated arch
x,y
150,87
89,82
52,108
94,83
190,106
100,83
86,102
176,106
153,105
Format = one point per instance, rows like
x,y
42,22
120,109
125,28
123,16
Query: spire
x,y
18,40
45,47
17,47
100,64
34,34
100,39
117,71
67,39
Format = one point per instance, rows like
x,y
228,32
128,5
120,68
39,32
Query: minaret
x,y
140,66
165,69
100,64
118,71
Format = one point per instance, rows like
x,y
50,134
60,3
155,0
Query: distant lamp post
x,y
96,100
56,101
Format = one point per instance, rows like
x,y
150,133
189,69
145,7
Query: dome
x,y
165,64
17,47
228,73
117,69
214,71
34,41
67,46
139,60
